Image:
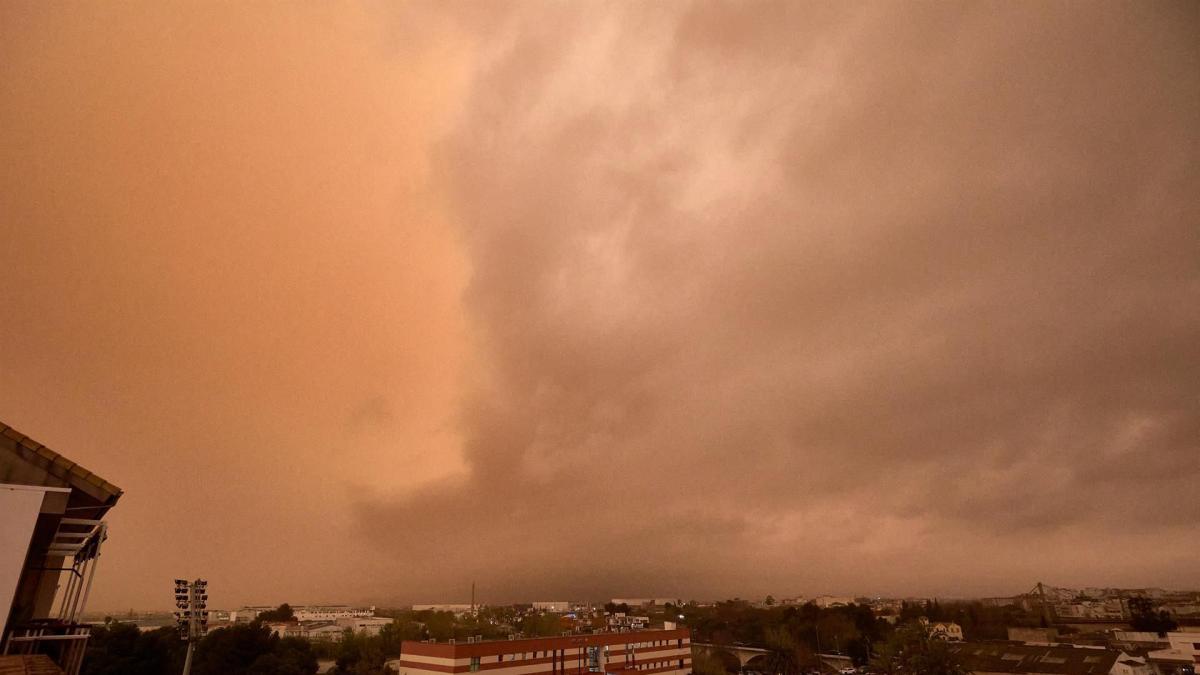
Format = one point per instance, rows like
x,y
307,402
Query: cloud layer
x,y
363,302
817,296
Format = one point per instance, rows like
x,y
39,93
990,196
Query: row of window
x,y
655,664
593,654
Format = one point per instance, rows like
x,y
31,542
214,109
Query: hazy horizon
x,y
466,600
600,299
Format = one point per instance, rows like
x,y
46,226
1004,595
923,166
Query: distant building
x,y
1111,609
457,609
247,614
985,658
51,530
646,602
648,652
622,621
366,625
331,612
325,631
944,630
827,601
557,606
305,613
328,631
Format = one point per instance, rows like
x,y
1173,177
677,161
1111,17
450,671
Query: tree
x,y
913,650
361,655
282,613
248,649
121,649
707,663
1143,616
785,655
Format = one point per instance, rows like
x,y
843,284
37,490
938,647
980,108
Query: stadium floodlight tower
x,y
191,616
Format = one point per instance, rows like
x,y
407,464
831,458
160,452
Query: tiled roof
x,y
1010,658
72,474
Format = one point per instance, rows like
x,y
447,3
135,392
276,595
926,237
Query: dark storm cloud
x,y
759,286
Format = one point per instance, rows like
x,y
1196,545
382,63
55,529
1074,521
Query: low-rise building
x,y
827,601
1181,656
622,621
366,625
647,652
987,658
945,630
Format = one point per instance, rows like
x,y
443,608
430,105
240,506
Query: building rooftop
x,y
1010,658
55,470
462,648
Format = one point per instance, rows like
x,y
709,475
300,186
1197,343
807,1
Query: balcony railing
x,y
65,643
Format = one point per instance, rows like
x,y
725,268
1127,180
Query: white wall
x,y
19,507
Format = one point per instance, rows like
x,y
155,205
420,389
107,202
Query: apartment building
x,y
645,652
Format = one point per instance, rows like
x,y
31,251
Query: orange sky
x,y
363,302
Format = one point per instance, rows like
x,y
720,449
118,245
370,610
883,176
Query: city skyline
x,y
371,301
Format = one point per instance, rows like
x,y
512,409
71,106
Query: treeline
x,y
854,630
492,623
244,649
807,628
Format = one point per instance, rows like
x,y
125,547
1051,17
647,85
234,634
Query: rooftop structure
x,y
51,531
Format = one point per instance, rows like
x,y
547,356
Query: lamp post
x,y
191,616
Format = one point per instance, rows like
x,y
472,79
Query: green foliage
x,y
121,649
709,663
361,655
541,625
912,650
1143,616
281,613
786,655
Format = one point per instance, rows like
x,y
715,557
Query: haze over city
x,y
366,302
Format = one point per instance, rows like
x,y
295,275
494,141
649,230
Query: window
x,y
474,664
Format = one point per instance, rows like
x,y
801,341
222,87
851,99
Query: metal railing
x,y
65,643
